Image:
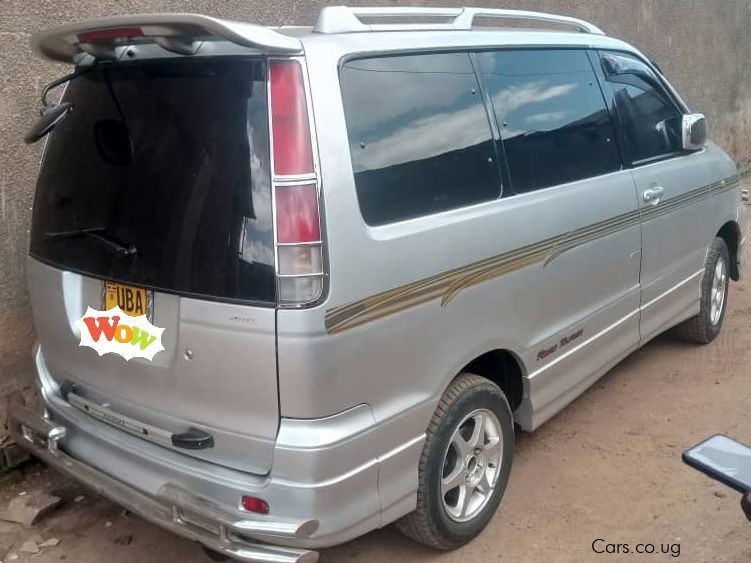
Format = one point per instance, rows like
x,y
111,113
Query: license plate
x,y
132,300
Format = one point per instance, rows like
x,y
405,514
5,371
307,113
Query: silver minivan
x,y
374,246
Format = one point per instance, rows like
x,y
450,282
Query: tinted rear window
x,y
552,116
168,158
419,135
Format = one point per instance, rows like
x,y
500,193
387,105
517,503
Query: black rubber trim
x,y
67,387
193,439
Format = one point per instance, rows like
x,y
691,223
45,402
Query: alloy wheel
x,y
471,465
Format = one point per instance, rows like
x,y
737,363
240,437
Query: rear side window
x,y
419,135
552,116
650,120
160,178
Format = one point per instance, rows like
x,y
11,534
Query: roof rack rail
x,y
179,33
343,19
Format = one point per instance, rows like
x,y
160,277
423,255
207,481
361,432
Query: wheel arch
x,y
730,232
504,368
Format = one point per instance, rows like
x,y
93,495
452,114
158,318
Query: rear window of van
x,y
160,178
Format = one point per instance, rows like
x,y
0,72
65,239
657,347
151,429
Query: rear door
x,y
673,189
169,161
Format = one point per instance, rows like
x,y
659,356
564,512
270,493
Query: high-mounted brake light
x,y
299,249
110,34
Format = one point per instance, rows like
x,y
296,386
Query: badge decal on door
x,y
115,332
565,341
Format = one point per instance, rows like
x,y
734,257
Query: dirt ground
x,y
608,467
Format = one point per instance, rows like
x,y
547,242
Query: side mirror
x,y
694,132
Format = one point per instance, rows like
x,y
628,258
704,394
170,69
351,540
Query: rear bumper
x,y
332,479
173,507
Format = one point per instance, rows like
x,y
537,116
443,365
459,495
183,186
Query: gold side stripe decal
x,y
448,285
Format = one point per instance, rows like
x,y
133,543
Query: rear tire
x,y
465,464
704,327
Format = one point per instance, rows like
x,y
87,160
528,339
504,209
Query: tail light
x,y
289,120
299,246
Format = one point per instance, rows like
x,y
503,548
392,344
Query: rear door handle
x,y
653,195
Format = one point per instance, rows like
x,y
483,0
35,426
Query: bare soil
x,y
608,467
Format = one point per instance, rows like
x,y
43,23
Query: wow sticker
x,y
116,332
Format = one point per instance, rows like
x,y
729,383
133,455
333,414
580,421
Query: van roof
x,y
354,29
478,38
341,19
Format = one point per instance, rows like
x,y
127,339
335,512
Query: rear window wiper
x,y
95,234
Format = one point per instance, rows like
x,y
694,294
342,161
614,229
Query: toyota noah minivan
x,y
373,247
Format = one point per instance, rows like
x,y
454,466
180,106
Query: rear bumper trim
x,y
174,508
190,439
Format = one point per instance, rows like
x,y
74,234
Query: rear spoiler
x,y
179,33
